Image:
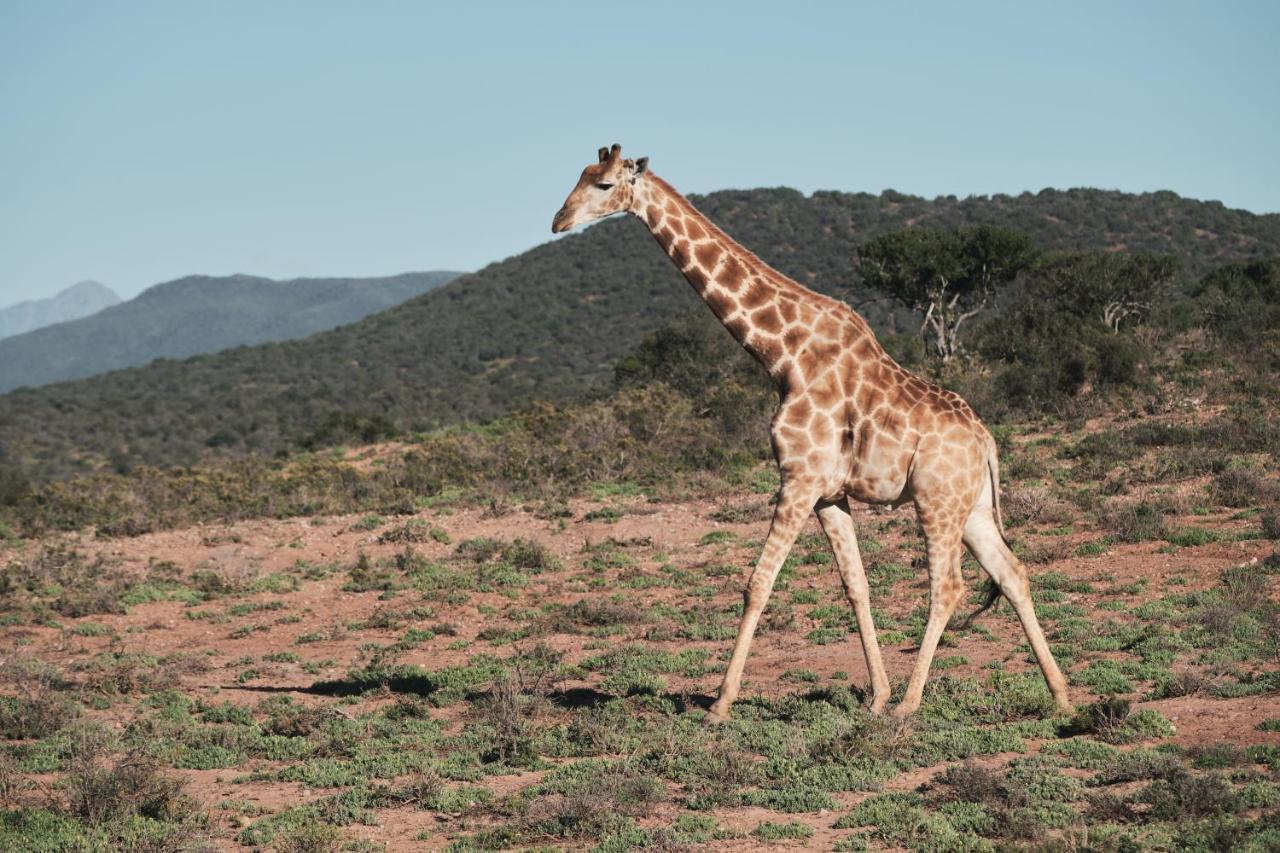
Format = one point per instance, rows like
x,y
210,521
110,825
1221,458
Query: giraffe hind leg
x,y
983,538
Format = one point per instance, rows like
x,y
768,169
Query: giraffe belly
x,y
877,490
879,474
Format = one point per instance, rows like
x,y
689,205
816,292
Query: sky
x,y
140,142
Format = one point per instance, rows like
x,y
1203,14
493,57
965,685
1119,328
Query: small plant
x,y
609,515
801,676
740,513
308,837
593,614
1112,720
90,629
633,683
507,716
1183,794
590,800
412,531
715,537
1105,719
1190,537
770,831
1092,548
367,576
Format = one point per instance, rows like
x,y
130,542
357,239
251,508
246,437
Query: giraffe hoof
x,y
902,712
714,719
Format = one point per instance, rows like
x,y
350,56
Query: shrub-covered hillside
x,y
547,324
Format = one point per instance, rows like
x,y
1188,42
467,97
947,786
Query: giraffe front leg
x,y
837,522
794,505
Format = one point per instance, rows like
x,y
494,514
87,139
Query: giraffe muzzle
x,y
561,221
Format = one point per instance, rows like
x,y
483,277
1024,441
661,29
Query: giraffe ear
x,y
642,166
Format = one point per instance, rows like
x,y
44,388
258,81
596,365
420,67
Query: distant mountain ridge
x,y
547,324
71,303
199,314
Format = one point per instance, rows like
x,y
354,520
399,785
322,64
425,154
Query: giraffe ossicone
x,y
851,424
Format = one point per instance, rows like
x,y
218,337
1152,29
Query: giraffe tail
x,y
991,593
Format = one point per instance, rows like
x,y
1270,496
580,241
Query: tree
x,y
693,354
1114,287
946,277
1241,300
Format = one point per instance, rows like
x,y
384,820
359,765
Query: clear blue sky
x,y
144,141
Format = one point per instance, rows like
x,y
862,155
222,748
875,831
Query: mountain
x,y
546,324
199,314
72,303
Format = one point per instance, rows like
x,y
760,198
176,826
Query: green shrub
x,y
769,831
1239,486
1135,522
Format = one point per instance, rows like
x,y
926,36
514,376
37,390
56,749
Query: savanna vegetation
x,y
688,407
502,635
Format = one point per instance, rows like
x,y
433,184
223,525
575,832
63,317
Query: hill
x,y
548,323
199,314
71,303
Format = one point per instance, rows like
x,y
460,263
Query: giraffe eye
x,y
604,185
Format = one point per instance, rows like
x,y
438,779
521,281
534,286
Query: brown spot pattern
x,y
707,254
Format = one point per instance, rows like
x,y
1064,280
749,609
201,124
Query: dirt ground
x,y
323,624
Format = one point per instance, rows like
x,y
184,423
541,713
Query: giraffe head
x,y
606,187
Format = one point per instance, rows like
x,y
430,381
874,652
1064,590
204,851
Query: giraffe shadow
x,y
576,698
572,699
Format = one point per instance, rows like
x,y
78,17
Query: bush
x,y
1240,302
1135,522
341,428
1243,487
59,576
770,831
309,837
590,800
132,785
28,717
1184,795
1270,522
14,485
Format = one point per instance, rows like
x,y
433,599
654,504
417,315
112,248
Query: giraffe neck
x,y
748,296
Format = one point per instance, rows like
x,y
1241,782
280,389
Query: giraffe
x,y
851,424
